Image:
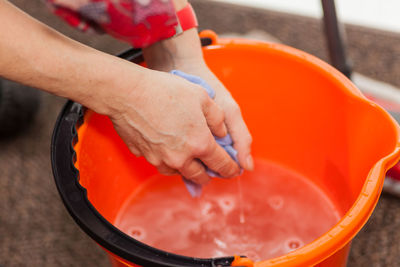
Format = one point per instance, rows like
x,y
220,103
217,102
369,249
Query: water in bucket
x,y
283,211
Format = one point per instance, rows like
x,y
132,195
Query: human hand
x,y
233,118
184,53
171,122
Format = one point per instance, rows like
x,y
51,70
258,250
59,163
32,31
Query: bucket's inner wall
x,y
300,117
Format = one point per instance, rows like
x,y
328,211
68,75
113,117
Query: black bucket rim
x,y
74,196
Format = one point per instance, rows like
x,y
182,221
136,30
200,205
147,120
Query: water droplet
x,y
276,202
226,204
220,243
242,220
293,244
137,233
206,208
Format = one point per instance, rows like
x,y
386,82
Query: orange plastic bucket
x,y
303,114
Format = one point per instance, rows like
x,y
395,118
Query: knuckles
x,y
202,93
200,146
175,161
219,115
193,148
154,160
166,171
248,139
234,109
175,164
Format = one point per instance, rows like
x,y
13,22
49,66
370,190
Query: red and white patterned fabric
x,y
139,22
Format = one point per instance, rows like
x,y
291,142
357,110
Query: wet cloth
x,y
225,142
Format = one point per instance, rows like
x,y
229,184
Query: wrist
x,y
174,52
107,83
185,45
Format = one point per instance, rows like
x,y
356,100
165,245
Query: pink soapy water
x,y
283,211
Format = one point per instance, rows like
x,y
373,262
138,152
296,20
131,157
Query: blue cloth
x,y
225,142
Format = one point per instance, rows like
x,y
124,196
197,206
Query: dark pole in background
x,y
334,34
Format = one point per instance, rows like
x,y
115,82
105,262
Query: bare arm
x,y
136,99
36,55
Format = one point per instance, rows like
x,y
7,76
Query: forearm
x,y
174,52
183,49
33,54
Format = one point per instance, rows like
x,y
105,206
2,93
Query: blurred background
x,y
35,229
370,13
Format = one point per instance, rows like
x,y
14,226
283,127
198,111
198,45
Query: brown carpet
x,y
35,229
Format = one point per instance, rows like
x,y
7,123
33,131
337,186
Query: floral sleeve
x,y
139,22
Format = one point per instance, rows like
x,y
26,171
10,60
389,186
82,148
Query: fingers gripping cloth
x,y
225,142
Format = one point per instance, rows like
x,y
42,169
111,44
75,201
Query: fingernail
x,y
249,163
